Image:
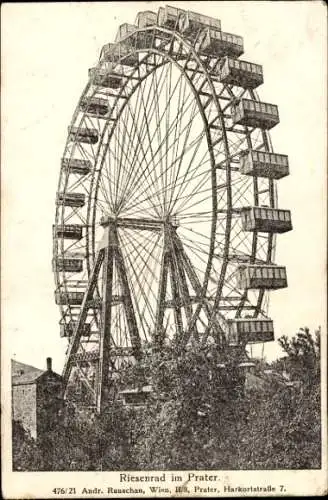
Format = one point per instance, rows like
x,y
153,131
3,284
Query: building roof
x,y
25,374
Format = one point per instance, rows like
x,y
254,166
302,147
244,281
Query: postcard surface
x,y
164,249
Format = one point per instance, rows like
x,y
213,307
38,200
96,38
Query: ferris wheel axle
x,y
140,223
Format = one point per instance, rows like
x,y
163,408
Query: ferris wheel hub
x,y
139,223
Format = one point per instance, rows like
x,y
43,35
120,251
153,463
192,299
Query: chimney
x,y
49,363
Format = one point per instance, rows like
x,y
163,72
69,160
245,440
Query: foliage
x,y
25,453
303,356
197,416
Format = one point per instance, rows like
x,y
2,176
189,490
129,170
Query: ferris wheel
x,y
166,210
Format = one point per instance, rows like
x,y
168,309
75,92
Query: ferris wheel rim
x,y
206,74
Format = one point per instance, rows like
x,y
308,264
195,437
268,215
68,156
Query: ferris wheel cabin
x,y
124,31
67,329
240,73
83,134
70,264
265,277
113,52
94,105
264,164
145,19
68,231
219,44
105,78
249,330
168,16
77,166
68,298
71,199
255,114
265,219
191,22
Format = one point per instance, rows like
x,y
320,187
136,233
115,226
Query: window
x,y
250,272
270,273
277,273
281,215
262,156
258,106
287,215
270,214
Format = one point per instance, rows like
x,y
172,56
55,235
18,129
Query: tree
x,y
26,455
303,356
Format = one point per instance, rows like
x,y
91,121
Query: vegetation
x,y
197,416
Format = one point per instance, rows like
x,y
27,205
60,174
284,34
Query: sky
x,y
47,49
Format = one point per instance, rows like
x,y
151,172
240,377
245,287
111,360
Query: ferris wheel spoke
x,y
106,193
144,264
159,192
139,246
135,186
200,236
166,134
185,144
190,197
138,272
139,269
142,320
177,128
145,172
147,125
130,152
143,176
161,141
143,130
187,171
119,166
201,201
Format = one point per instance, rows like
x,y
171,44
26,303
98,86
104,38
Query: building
x,y
37,397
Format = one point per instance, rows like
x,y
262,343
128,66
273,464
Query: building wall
x,y
24,406
49,403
